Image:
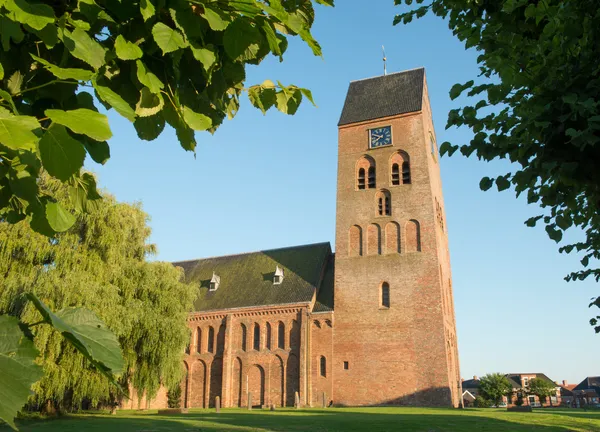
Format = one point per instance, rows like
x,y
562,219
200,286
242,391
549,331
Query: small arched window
x,y
256,337
385,295
268,336
199,340
211,340
395,174
361,178
323,366
384,203
281,335
371,178
243,337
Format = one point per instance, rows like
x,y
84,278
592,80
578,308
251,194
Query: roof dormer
x,y
278,276
215,281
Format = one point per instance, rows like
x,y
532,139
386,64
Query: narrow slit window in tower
x,y
405,173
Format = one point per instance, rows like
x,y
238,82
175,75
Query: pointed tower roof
x,y
383,96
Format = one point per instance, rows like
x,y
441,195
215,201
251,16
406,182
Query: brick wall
x,y
405,354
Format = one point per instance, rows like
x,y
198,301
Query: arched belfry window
x,y
384,203
371,183
395,174
365,173
385,295
361,178
323,366
400,169
256,337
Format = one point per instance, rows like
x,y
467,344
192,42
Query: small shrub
x,y
174,397
481,402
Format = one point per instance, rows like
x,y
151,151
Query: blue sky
x,y
269,181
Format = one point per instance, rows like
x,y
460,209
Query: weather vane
x,y
384,60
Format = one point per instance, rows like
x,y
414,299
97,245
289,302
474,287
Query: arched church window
x,y
323,366
268,341
211,340
385,295
281,336
256,337
199,340
243,336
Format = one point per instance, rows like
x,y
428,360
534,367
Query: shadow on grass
x,y
571,412
301,420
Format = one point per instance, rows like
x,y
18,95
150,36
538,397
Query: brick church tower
x,y
395,333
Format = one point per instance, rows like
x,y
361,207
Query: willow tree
x,y
101,264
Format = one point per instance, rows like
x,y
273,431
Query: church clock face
x,y
380,137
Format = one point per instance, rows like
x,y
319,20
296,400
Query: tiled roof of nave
x,y
247,279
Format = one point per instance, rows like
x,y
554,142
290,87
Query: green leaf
x,y
84,194
1,71
149,103
62,73
9,30
147,9
83,121
8,98
502,183
217,20
36,15
59,219
48,35
196,121
308,94
18,370
272,38
167,39
16,132
83,47
531,222
87,333
263,97
455,91
127,50
113,99
447,147
553,233
288,100
15,82
98,150
486,183
62,155
204,54
242,40
149,128
147,78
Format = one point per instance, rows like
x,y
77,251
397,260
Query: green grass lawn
x,y
325,420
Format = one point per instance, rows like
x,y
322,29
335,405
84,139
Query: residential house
x,y
522,379
566,393
587,392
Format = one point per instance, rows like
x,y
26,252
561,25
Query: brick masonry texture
x,y
362,352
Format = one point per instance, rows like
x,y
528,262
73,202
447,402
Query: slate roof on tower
x,y
247,279
383,96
